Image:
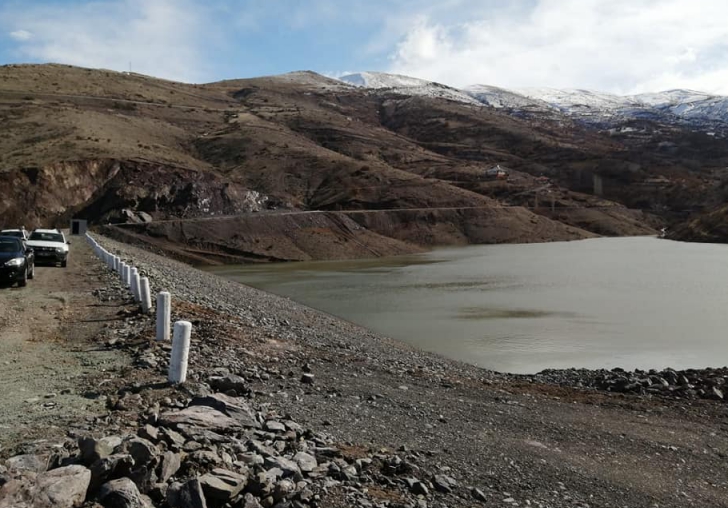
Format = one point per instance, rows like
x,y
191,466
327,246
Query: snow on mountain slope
x,y
505,99
311,79
572,100
688,106
697,109
406,85
671,97
383,80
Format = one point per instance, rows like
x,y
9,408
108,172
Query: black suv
x,y
17,262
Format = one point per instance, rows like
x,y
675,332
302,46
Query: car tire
x,y
64,263
31,274
24,281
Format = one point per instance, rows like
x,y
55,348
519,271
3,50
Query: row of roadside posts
x,y
139,287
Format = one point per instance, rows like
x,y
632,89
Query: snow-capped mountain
x,y
406,85
696,109
505,99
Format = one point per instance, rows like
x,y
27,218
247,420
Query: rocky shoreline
x,y
289,407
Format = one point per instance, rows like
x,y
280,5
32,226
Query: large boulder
x,y
234,407
168,466
107,468
28,462
228,382
186,495
64,487
122,493
221,485
142,451
93,449
199,416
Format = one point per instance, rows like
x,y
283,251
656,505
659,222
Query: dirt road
x,y
49,360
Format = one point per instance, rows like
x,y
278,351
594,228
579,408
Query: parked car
x,y
18,233
50,246
17,261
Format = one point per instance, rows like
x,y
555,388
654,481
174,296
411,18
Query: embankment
x,y
300,236
287,406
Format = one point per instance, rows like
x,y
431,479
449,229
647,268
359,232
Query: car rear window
x,y
19,234
9,246
47,237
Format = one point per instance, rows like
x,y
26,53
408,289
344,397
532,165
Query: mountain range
x,y
687,107
302,166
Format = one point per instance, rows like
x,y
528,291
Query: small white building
x,y
79,226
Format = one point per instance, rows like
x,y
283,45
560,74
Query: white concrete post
x,y
115,264
127,276
146,298
135,284
180,352
164,315
122,272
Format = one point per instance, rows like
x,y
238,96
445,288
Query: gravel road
x,y
46,360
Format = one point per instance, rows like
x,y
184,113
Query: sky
x,y
618,46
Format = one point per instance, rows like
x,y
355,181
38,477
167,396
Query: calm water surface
x,y
618,302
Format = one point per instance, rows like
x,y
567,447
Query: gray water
x,y
618,302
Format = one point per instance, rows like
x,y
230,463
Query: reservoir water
x,y
603,303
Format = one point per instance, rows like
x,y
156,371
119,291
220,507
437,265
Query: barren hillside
x,y
118,147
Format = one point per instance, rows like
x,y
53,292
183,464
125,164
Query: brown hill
x,y
123,147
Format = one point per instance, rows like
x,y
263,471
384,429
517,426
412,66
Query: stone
x,y
715,393
222,485
250,459
283,489
64,487
28,462
93,449
142,451
306,462
149,432
274,426
288,467
121,493
205,458
443,483
249,501
293,426
169,464
172,438
418,488
234,407
110,467
187,495
261,485
478,495
307,378
199,416
228,382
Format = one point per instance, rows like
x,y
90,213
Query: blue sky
x,y
621,46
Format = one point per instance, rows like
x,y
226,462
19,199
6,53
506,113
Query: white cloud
x,y
21,35
620,46
158,37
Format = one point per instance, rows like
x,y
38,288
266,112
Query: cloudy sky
x,y
621,46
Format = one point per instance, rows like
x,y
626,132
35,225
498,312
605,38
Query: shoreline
x,y
391,426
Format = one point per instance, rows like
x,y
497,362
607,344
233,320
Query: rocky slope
x,y
711,227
